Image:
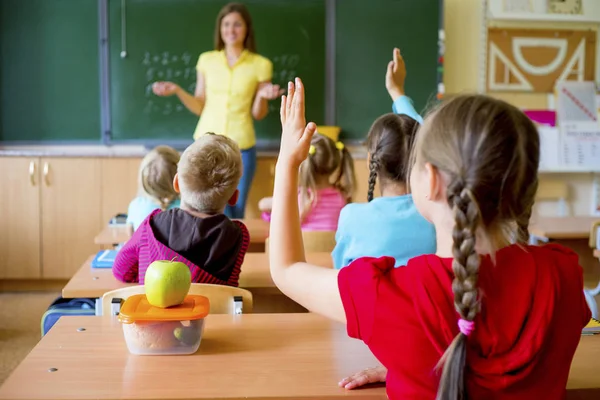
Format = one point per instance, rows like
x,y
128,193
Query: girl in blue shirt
x,y
389,225
157,171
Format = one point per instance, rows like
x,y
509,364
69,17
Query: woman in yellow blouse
x,y
233,86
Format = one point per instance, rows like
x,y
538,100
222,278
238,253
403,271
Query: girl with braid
x,y
483,317
389,225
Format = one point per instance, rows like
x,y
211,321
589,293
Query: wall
x,y
462,61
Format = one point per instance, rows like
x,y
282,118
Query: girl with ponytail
x,y
482,318
389,225
326,185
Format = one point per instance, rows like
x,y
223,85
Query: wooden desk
x,y
562,227
255,276
113,234
253,356
257,228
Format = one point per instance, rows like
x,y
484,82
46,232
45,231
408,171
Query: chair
x,y
590,294
314,241
222,298
318,241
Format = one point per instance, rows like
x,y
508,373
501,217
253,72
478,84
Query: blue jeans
x,y
249,163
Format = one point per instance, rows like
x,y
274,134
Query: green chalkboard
x,y
164,39
49,86
366,33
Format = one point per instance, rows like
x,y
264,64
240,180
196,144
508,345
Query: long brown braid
x,y
488,152
373,168
389,144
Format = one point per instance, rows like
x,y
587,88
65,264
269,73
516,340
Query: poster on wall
x,y
533,60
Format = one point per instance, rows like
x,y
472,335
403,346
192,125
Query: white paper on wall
x,y
549,148
580,144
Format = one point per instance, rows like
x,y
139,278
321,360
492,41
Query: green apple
x,y
167,283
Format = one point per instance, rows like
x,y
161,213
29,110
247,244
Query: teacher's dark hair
x,y
249,42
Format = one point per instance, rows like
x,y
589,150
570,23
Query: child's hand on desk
x,y
297,134
396,75
364,377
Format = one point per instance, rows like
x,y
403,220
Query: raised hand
x,y
164,89
269,91
364,377
296,133
395,75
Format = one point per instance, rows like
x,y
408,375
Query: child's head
x,y
157,170
324,158
208,174
389,143
476,161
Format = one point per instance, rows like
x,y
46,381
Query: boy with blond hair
x,y
197,234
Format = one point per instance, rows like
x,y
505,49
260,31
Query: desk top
x,y
94,282
562,227
114,234
256,356
252,356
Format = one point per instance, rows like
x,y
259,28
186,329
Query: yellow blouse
x,y
229,93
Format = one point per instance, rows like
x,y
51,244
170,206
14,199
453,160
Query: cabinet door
x,y
71,213
19,218
119,185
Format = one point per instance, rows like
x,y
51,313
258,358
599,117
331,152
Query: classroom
x,y
314,199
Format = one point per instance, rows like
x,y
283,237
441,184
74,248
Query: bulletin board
x,y
533,60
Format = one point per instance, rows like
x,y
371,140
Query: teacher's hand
x,y
268,91
165,88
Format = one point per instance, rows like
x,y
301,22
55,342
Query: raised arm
x,y
394,83
316,288
194,103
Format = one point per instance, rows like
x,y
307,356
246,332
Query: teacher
x,y
233,85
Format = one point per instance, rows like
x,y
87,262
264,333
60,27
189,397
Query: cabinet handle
x,y
46,170
32,173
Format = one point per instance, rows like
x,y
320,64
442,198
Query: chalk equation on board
x,y
181,69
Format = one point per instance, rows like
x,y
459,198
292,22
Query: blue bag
x,y
61,307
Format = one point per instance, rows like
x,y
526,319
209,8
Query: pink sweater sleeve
x,y
125,268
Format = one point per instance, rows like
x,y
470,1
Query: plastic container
x,y
153,330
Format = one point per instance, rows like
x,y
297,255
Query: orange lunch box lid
x,y
137,309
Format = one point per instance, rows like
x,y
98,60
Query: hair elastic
x,y
466,327
339,145
312,150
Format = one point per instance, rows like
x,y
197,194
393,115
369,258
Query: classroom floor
x,y
20,316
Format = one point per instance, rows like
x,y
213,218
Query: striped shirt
x,y
325,212
144,248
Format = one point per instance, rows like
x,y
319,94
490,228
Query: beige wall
x,y
462,62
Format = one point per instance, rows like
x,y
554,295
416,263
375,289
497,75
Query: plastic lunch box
x,y
153,330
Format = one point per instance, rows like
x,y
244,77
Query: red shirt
x,y
533,311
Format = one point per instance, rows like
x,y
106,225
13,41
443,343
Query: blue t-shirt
x,y
142,206
387,226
